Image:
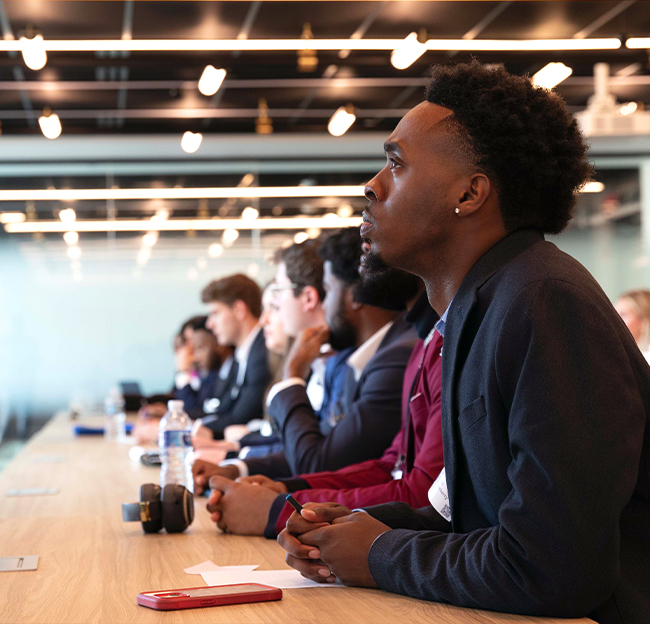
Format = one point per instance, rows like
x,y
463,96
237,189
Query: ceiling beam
x,y
163,85
615,11
201,113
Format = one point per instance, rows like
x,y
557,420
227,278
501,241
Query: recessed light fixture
x,y
215,250
74,252
33,50
341,120
68,215
229,236
407,52
211,80
50,124
150,239
250,214
71,238
191,141
551,75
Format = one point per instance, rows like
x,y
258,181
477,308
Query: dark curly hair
x,y
522,137
390,289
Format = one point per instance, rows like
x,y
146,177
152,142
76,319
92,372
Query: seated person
x,y
363,422
146,428
543,507
235,306
197,379
634,308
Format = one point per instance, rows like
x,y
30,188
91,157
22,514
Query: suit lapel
x,y
464,301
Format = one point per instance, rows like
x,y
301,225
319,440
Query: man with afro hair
x,y
543,507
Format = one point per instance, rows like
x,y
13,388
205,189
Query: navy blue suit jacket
x,y
545,404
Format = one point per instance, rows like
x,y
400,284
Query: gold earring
x,y
457,211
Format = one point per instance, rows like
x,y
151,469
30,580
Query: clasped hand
x,y
329,542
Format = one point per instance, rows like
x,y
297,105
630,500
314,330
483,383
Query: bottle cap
x,y
175,405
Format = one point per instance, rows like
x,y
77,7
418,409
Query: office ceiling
x,y
142,98
156,92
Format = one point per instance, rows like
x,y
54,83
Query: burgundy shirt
x,y
416,450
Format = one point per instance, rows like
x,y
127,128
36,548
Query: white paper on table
x,y
282,579
209,566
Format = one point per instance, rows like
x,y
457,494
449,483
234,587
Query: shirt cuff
x,y
282,385
243,468
182,380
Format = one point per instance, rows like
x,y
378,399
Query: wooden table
x,y
92,565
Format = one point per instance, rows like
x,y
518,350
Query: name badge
x,y
438,496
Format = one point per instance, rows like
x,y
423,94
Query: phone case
x,y
193,597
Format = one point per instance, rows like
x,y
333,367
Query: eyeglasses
x,y
274,288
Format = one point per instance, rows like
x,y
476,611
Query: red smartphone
x,y
193,597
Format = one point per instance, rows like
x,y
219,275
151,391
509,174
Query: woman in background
x,y
634,309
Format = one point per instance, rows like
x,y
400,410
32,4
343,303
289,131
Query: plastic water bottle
x,y
114,416
175,444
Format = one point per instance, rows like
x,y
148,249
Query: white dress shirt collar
x,y
360,358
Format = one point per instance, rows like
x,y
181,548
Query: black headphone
x,y
173,510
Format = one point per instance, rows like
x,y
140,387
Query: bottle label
x,y
178,438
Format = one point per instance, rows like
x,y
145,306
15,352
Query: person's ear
x,y
240,310
473,195
350,303
309,299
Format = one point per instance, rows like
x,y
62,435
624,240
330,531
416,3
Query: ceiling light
x,y
68,215
300,237
313,232
329,220
263,123
236,192
247,180
50,124
551,75
12,217
71,238
341,120
202,263
33,51
628,109
229,236
345,211
211,80
150,239
407,52
191,141
250,214
638,43
215,250
307,57
161,215
522,45
74,252
143,256
264,45
593,187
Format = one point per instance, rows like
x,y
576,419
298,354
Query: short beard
x,y
373,265
342,337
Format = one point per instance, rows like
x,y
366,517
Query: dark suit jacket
x,y
545,403
237,408
371,410
193,399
